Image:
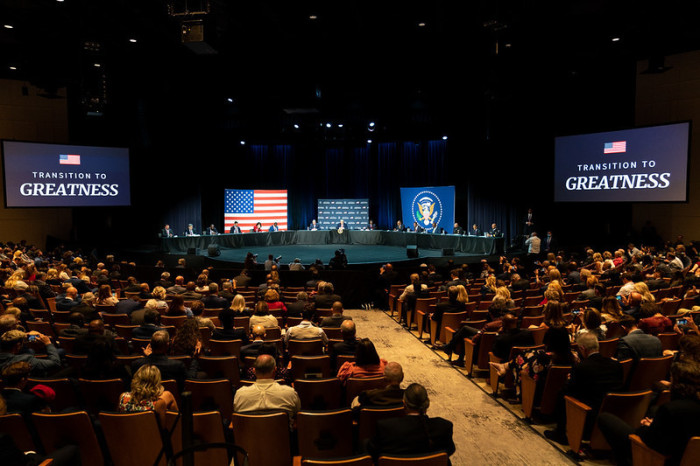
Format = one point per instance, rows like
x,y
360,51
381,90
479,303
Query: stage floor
x,y
356,253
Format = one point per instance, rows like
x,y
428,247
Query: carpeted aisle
x,y
484,431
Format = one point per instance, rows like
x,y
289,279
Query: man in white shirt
x,y
306,330
266,394
533,243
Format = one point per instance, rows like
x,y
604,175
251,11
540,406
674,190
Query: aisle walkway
x,y
485,433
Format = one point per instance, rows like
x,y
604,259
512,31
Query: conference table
x,y
480,245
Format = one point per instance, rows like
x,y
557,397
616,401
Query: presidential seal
x,y
427,209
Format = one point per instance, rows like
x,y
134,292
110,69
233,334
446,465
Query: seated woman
x,y
262,316
367,363
611,310
227,331
413,291
239,307
591,322
450,305
105,297
159,295
557,351
177,307
272,298
147,394
187,339
197,311
554,314
489,286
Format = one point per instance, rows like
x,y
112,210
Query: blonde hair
x,y
146,384
643,289
271,296
491,282
503,292
462,295
159,292
238,303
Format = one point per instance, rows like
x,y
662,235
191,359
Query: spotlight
x,y
8,26
371,126
243,143
616,39
296,126
229,100
444,138
369,141
329,125
133,41
13,68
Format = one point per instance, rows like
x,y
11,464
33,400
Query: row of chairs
x,y
135,438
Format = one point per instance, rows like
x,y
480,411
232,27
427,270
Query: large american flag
x,y
250,206
615,147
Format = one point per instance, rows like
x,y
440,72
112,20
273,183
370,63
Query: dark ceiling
x,y
418,68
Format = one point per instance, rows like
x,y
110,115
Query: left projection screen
x,y
57,175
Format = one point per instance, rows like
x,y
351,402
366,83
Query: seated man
x,y
337,317
591,379
673,424
254,348
306,330
214,301
95,332
69,300
151,317
416,433
156,353
390,395
266,394
637,344
11,350
19,400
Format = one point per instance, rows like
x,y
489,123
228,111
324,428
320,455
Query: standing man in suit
x,y
166,232
548,243
235,229
529,223
416,433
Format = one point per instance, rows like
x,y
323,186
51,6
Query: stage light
x,y
444,138
329,125
371,126
229,100
243,143
13,68
8,26
421,25
313,17
97,65
340,125
133,41
369,141
616,39
296,126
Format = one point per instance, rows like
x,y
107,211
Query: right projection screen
x,y
647,164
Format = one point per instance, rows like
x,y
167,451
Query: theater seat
x,y
59,430
431,459
248,429
325,434
132,438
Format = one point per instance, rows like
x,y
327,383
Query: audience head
x,y
337,307
259,332
509,321
261,308
12,341
15,375
393,373
226,317
308,313
348,330
272,296
264,366
689,347
197,308
685,380
160,341
587,343
634,299
238,303
146,384
302,296
365,353
591,319
415,398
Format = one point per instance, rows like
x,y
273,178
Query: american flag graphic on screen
x,y
616,147
250,206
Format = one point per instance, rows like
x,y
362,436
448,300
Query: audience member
x,y
147,394
367,363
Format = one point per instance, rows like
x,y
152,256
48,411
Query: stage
x,y
361,247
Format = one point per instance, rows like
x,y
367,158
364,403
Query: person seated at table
x,y
475,231
417,228
190,231
274,227
371,225
457,230
211,230
235,229
257,228
342,225
166,232
399,226
495,232
313,226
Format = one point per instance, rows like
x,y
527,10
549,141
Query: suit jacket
x,y
21,402
410,435
458,231
325,301
334,321
166,233
593,378
506,340
638,344
127,306
236,229
215,302
674,423
231,334
476,232
495,232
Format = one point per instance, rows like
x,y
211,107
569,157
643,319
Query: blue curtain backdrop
x,y
375,171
